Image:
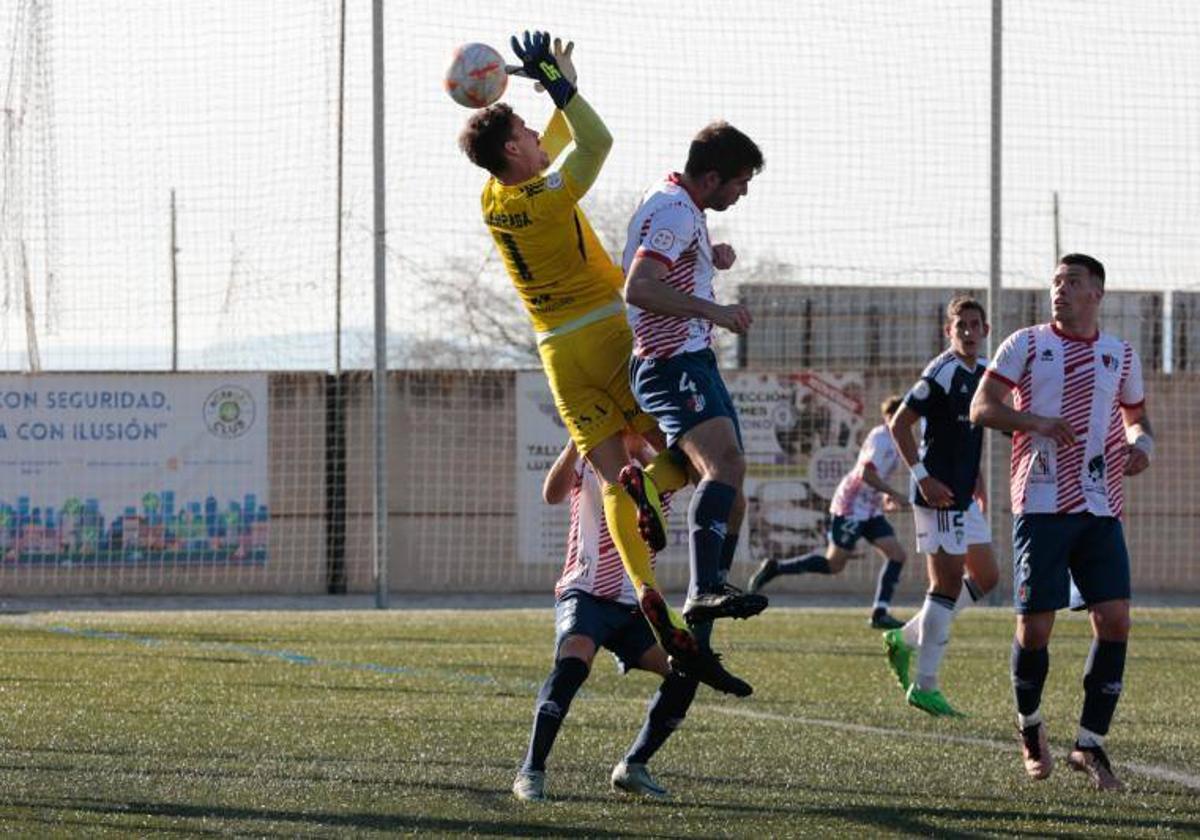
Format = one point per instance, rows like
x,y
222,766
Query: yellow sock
x,y
667,474
620,514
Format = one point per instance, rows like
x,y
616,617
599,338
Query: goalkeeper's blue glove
x,y
537,62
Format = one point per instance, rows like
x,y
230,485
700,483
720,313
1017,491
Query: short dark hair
x,y
960,304
1093,265
890,405
483,137
721,148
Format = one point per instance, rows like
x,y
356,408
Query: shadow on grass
x,y
497,827
956,824
930,822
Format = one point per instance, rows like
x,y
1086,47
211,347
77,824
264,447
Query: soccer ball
x,y
476,77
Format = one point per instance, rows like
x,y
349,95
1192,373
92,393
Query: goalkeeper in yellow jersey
x,y
571,290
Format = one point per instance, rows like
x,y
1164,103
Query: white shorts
x,y
950,530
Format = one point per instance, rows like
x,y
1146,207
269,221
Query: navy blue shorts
x,y
619,628
682,392
1051,550
845,532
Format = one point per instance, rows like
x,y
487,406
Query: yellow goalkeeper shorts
x,y
588,371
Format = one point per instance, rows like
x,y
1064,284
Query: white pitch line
x,y
1154,771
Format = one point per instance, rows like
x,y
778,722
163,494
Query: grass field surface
x,y
363,723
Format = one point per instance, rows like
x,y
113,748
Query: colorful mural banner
x,y
120,469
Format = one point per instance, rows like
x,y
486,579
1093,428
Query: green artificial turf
x,y
377,723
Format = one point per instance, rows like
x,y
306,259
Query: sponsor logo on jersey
x,y
1047,355
662,239
1040,470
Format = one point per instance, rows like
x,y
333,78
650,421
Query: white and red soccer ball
x,y
476,77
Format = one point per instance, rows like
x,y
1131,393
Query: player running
x,y
949,500
857,513
596,607
1080,425
570,288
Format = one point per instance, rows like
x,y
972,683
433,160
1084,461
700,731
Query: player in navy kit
x,y
948,498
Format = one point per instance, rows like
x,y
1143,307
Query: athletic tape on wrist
x,y
1145,443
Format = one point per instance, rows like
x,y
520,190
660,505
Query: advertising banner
x,y
801,433
103,469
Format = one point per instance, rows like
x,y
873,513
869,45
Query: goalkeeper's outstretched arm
x,y
555,74
592,143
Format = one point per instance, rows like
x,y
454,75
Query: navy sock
x,y
552,703
1102,685
708,518
728,549
667,711
1029,669
809,563
889,576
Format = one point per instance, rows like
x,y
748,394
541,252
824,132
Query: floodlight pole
x,y
380,546
995,304
174,291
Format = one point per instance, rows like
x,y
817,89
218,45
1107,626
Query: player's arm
x,y
1140,435
561,477
556,136
1138,431
989,407
901,426
645,288
872,477
555,74
592,144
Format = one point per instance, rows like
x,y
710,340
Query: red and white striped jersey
x,y
593,564
854,498
670,228
1085,382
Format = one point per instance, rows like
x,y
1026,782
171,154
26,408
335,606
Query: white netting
x,y
873,207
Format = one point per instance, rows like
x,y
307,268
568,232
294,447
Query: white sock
x,y
1026,721
911,631
968,595
936,616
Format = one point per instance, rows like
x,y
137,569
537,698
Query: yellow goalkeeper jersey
x,y
554,258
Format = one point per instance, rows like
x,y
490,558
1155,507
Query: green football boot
x,y
932,702
899,655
